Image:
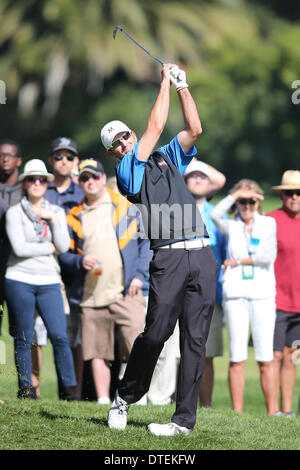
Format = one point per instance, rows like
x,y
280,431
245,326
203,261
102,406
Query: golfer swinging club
x,y
183,268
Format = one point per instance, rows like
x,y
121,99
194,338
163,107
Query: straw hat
x,y
36,167
290,180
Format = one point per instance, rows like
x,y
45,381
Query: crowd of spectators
x,y
74,266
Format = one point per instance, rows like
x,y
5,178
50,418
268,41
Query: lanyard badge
x,y
248,270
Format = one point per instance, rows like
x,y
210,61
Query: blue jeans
x,y
23,299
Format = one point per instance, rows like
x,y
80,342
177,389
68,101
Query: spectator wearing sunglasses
x,y
63,191
104,229
37,230
287,273
249,288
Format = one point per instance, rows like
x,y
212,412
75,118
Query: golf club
x,y
131,39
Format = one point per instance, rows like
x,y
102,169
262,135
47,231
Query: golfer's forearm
x,y
190,113
159,113
156,122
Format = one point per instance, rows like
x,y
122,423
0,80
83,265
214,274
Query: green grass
x,y
52,424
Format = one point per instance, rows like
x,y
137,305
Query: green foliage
x,y
66,75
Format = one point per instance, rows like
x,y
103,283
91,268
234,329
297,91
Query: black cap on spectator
x,y
64,143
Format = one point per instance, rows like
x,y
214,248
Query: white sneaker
x,y
169,429
117,416
289,415
103,401
167,401
142,401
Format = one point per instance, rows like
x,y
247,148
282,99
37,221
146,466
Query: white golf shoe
x,y
103,401
142,401
169,429
117,416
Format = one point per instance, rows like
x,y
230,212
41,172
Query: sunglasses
x,y
85,178
117,142
9,155
33,179
291,192
59,156
246,201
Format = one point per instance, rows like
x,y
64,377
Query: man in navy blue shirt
x,y
64,192
183,268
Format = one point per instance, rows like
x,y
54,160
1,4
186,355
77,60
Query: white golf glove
x,y
178,78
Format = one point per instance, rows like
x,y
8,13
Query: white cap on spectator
x,y
196,165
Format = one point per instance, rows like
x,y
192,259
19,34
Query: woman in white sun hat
x,y
37,231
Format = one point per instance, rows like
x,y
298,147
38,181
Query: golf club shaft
x,y
137,44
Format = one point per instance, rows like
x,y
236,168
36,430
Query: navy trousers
x,y
182,287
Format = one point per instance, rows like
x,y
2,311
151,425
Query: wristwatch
x,y
238,261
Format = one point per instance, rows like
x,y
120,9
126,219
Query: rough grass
x,y
52,424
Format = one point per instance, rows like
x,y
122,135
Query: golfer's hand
x,y
135,285
165,73
178,78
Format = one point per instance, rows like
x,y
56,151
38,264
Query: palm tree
x,y
43,43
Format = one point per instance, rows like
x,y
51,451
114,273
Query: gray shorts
x,y
287,330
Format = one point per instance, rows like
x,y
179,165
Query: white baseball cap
x,y
36,167
110,130
196,165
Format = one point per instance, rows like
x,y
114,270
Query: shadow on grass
x,y
97,421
